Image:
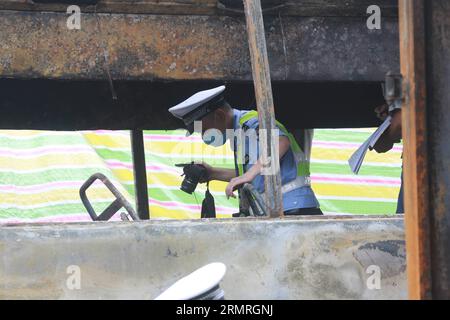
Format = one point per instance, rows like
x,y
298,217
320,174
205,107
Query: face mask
x,y
214,137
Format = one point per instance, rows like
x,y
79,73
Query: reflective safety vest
x,y
303,171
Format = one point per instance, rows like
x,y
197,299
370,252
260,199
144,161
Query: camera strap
x,y
208,205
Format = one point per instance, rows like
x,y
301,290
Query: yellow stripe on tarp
x,y
89,159
186,147
356,191
125,175
69,194
160,212
344,154
189,149
115,141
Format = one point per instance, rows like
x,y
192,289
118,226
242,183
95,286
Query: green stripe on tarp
x,y
378,171
358,207
108,154
51,210
341,136
42,141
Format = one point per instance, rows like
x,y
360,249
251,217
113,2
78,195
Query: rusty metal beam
x,y
169,47
269,158
425,60
414,127
317,8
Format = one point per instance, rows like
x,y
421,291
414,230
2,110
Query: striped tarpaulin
x,y
41,173
373,191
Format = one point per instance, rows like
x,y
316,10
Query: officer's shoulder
x,y
252,122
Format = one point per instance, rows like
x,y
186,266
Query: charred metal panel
x,y
315,8
171,47
79,105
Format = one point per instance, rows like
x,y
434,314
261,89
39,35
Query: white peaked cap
x,y
195,101
197,283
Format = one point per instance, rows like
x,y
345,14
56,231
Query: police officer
x,y
208,113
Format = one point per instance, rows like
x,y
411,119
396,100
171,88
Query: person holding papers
x,y
392,135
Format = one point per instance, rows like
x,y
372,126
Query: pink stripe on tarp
x,y
124,165
172,138
355,180
119,165
111,132
108,133
344,145
53,219
151,137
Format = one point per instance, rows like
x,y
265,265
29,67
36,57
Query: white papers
x,y
357,158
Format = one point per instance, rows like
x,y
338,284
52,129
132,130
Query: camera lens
x,y
188,185
193,173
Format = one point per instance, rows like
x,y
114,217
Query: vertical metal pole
x,y
415,160
264,100
425,59
140,174
437,44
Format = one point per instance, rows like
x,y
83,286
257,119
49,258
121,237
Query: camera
x,y
193,173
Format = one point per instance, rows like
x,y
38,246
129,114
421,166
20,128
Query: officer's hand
x,y
382,111
209,170
234,184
